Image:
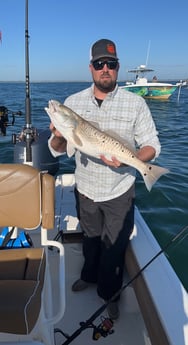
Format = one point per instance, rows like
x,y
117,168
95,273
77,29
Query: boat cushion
x,y
19,182
21,282
26,184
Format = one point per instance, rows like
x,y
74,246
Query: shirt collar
x,y
109,95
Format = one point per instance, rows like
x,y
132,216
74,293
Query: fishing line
x,y
89,323
175,245
169,244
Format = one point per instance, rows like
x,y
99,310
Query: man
x,y
105,188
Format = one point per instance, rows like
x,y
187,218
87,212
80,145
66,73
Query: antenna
x,y
148,51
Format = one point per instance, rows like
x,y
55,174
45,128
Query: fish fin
x,y
70,150
151,174
76,138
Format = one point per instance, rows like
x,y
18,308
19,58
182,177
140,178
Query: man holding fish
x,y
103,125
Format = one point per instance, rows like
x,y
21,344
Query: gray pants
x,y
107,227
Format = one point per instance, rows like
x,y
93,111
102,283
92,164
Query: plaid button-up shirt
x,y
125,114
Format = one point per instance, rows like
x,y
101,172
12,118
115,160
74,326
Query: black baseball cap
x,y
103,48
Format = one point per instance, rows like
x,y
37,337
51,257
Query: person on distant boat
x,y
105,189
154,79
136,78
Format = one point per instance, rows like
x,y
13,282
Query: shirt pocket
x,y
124,127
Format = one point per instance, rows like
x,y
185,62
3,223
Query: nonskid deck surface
x,y
129,329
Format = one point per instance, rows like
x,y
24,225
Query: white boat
x,y
151,90
153,306
37,305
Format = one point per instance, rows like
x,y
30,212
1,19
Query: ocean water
x,y
165,208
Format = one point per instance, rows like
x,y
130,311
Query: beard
x,y
105,85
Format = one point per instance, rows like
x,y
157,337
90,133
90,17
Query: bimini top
x,y
141,68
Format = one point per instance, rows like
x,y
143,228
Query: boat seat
x,y
27,198
20,288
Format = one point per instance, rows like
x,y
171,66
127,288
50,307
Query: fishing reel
x,y
27,134
103,329
4,119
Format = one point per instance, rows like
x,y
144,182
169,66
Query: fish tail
x,y
151,174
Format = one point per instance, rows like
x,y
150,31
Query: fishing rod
x,y
89,323
28,133
28,130
31,144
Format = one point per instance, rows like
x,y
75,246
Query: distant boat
x,y
153,89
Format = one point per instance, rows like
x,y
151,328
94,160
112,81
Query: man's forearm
x,y
146,153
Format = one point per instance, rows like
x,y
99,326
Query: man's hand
x,y
58,142
55,131
113,162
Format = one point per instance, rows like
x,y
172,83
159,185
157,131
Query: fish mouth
x,y
52,105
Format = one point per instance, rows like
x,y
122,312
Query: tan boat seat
x,y
21,282
27,202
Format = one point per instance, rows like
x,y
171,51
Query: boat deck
x,y
153,309
129,329
156,289
80,306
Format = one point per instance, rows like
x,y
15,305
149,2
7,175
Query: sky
x,y
62,31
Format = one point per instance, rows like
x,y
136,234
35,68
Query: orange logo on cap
x,y
111,48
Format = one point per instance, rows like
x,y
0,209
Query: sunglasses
x,y
98,64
